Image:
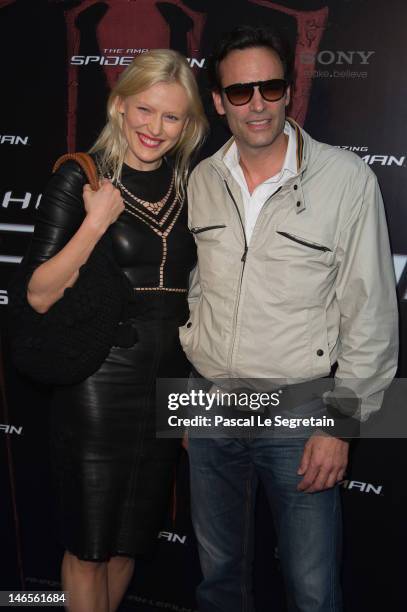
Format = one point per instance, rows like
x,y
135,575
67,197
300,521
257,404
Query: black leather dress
x,y
113,475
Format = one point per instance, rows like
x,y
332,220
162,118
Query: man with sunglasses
x,y
294,278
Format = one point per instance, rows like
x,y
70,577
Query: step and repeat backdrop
x,y
59,59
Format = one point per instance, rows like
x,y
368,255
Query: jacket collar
x,y
300,143
303,142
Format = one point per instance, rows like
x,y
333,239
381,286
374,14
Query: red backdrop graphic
x,y
310,28
128,25
124,25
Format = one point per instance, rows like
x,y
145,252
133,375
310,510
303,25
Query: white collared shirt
x,y
253,203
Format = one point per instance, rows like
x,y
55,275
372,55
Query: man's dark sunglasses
x,y
241,93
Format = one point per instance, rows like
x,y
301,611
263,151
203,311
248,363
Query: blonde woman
x,y
113,475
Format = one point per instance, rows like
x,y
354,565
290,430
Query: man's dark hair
x,y
245,37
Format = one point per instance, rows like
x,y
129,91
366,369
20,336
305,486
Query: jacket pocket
x,y
311,245
186,330
300,265
211,237
199,230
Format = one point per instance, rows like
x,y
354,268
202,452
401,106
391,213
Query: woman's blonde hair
x,y
147,69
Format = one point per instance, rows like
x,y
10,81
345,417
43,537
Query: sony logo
x,y
327,57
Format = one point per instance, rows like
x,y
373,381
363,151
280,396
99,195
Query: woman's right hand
x,y
103,206
60,271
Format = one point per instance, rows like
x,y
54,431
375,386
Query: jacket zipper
x,y
243,260
198,230
311,245
266,202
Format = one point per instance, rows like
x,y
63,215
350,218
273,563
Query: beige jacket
x,y
316,285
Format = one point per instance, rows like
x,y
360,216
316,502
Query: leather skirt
x,y
113,475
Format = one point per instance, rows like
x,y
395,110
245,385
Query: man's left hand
x,y
323,463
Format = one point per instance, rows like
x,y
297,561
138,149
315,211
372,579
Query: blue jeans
x,y
224,477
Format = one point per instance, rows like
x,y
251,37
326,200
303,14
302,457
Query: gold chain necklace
x,y
153,207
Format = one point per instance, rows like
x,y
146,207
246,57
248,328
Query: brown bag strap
x,y
86,163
